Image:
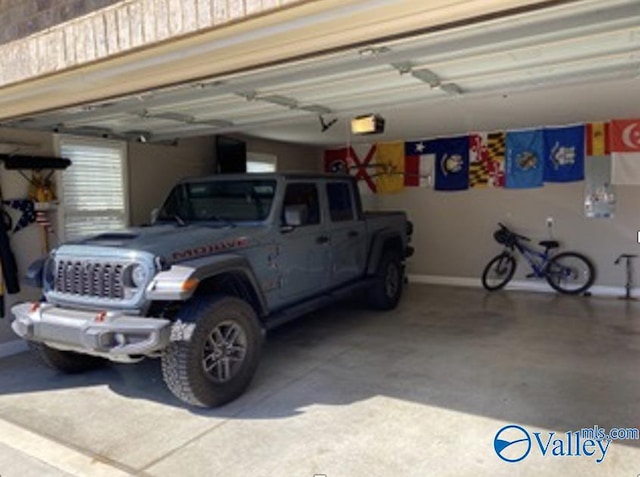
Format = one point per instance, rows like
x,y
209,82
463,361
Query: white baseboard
x,y
12,347
524,285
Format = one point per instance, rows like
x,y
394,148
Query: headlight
x,y
135,276
139,276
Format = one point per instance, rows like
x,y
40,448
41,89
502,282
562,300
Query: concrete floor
x,y
416,392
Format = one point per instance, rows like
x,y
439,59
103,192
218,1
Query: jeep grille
x,y
90,279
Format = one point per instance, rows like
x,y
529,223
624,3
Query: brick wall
x,y
107,28
21,18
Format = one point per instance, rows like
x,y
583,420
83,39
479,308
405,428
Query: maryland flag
x,y
389,170
486,159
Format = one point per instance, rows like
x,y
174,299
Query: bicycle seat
x,y
549,244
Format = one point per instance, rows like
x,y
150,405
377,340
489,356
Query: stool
x,y
629,285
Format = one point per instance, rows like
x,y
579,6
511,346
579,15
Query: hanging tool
x,y
8,269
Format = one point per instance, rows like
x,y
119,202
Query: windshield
x,y
220,200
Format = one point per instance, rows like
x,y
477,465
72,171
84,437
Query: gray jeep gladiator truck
x,y
226,258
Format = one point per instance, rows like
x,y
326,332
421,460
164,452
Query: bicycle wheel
x,y
499,271
570,273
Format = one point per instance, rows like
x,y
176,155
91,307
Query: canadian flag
x,y
625,151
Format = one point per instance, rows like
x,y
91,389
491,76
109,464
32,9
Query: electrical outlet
x,y
549,222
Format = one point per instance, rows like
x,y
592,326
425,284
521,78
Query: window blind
x,y
93,188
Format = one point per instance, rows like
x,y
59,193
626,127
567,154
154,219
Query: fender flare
x,y
378,245
169,285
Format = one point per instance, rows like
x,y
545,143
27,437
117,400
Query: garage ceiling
x,y
576,50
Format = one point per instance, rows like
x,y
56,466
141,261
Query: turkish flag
x,y
625,135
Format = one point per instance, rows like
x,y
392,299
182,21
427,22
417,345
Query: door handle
x,y
322,239
353,233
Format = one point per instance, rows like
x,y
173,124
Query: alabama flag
x,y
359,160
625,151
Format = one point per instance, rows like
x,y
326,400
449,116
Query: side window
x,y
340,202
305,198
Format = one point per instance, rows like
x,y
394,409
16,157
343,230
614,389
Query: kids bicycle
x,y
567,272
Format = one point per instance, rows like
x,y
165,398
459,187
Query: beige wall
x,y
453,231
154,169
27,243
291,157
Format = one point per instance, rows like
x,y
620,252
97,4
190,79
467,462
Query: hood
x,y
177,243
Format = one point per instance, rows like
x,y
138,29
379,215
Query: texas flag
x,y
625,151
418,165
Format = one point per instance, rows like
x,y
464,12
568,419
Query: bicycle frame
x,y
536,259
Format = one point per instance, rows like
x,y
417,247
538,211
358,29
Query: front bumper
x,y
103,333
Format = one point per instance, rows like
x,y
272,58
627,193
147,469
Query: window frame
x,y
354,210
318,190
61,139
262,158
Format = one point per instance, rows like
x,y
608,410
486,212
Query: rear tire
x,y
65,361
570,273
386,290
499,271
216,364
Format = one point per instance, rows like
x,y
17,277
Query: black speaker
x,y
231,155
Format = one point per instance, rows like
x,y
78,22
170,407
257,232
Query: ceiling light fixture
x,y
367,124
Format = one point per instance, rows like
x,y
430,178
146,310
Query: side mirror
x,y
154,215
295,215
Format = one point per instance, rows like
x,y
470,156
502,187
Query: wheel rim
x,y
224,351
569,273
392,280
499,272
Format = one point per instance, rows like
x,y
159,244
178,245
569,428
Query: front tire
x,y
570,273
217,362
65,361
386,290
499,271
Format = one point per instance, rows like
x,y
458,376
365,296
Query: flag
x,y
451,162
26,207
598,139
357,160
336,160
418,165
564,154
389,170
486,159
43,221
524,159
625,151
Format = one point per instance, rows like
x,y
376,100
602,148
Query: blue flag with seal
x,y
564,154
451,162
525,159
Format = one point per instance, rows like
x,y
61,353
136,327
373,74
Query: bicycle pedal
x,y
531,275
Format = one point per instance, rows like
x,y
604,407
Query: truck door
x,y
304,259
347,232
